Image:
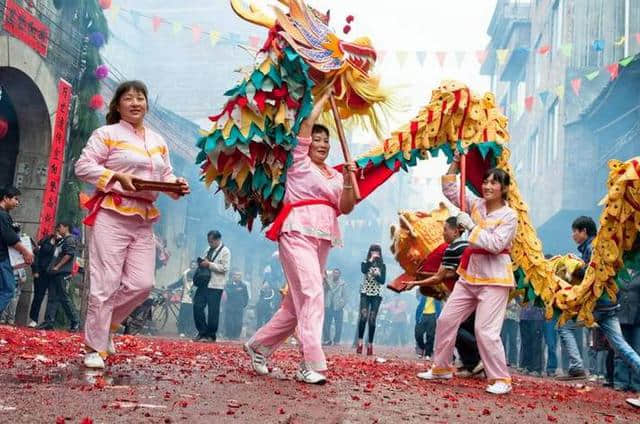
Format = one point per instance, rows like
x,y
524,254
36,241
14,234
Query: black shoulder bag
x,y
202,276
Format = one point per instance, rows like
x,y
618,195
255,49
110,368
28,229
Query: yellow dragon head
x,y
345,65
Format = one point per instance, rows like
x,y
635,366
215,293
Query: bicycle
x,y
166,302
153,314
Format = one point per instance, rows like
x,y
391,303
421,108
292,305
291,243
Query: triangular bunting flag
x,y
135,18
502,55
627,60
197,33
544,49
575,85
528,103
421,56
156,21
613,69
598,45
115,10
441,56
592,75
559,90
481,55
543,96
214,37
638,37
566,49
620,41
401,57
254,41
177,27
514,107
460,55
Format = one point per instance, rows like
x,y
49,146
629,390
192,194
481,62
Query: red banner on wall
x,y
56,161
26,27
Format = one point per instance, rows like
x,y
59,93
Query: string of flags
x,y
613,69
198,34
159,24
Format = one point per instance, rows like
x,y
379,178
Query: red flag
x,y
254,41
528,103
197,33
156,21
638,37
544,49
481,55
441,57
613,69
576,84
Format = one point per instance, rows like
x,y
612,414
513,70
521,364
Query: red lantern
x,y
4,128
96,102
105,4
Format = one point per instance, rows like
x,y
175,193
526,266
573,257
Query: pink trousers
x,y
303,261
490,304
121,266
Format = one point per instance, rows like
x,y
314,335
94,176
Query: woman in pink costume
x,y
121,242
306,228
485,278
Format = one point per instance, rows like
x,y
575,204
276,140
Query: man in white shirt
x,y
217,259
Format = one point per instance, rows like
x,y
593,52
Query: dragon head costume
x,y
248,150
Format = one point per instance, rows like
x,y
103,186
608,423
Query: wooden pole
x,y
344,145
463,183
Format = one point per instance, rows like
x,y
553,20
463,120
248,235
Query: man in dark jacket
x,y
629,316
9,237
237,299
59,275
44,250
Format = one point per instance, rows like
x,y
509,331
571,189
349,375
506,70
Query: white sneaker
x,y
499,388
429,375
634,402
258,361
310,376
111,346
32,324
93,360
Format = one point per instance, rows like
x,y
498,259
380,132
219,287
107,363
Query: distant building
x,y
561,146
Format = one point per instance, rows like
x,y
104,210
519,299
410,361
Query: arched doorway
x,y
24,150
30,96
9,139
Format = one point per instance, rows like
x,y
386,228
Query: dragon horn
x,y
404,220
253,14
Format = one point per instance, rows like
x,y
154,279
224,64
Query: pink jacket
x,y
305,181
117,148
494,232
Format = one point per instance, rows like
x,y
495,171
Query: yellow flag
x,y
115,10
559,90
214,36
620,41
502,55
177,27
402,57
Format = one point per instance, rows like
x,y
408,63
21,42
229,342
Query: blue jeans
x,y
610,325
569,332
624,378
7,284
509,337
551,340
531,345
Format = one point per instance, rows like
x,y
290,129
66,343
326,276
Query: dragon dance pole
x,y
463,182
344,145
